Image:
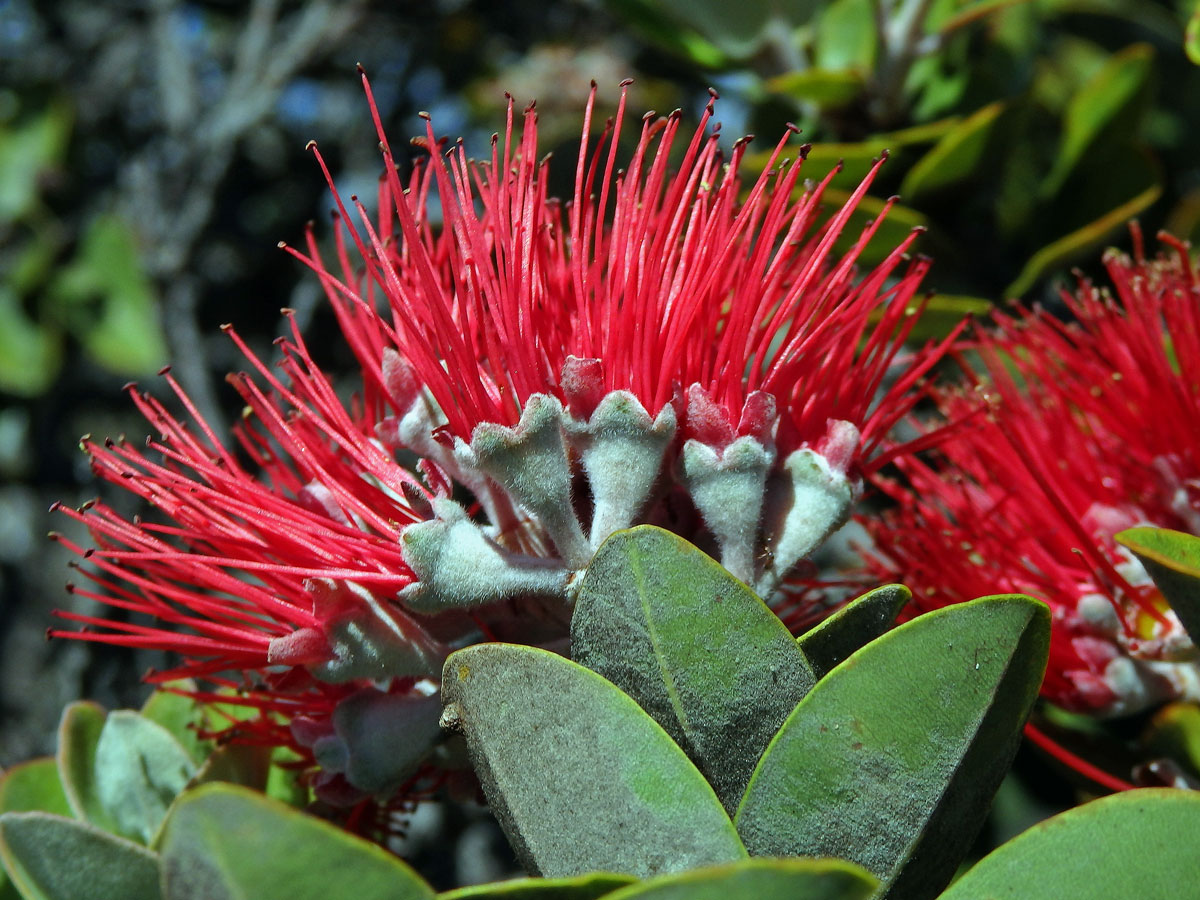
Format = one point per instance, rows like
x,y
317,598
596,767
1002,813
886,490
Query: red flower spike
x,y
662,348
1076,431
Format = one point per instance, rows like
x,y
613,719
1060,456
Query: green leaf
x,y
1172,559
738,29
1107,97
846,36
956,157
122,334
943,313
33,786
30,352
1139,843
761,879
1191,37
1080,240
27,152
284,782
223,842
78,734
696,648
579,777
892,759
244,764
895,228
183,717
653,24
826,87
1174,732
853,626
582,887
140,769
51,857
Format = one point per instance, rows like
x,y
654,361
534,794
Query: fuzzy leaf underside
x,y
695,647
892,759
580,778
51,857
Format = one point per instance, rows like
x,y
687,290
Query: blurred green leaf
x,y
51,857
760,879
580,778
1191,37
945,312
700,651
650,20
1139,843
27,151
1106,99
853,626
223,842
1174,732
733,31
826,87
33,786
124,335
1172,559
846,37
244,764
582,887
182,716
900,221
1079,241
892,759
284,781
30,353
971,13
956,157
78,736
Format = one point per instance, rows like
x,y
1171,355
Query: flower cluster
x,y
669,346
1073,433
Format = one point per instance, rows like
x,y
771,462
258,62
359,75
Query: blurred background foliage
x,y
152,154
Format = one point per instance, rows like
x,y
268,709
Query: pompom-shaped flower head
x,y
1078,431
670,345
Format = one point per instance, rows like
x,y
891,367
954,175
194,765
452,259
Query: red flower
x,y
661,348
1080,430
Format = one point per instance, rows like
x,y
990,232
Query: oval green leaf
x,y
1172,558
223,842
696,648
761,879
52,857
579,777
78,734
140,769
956,157
1139,843
33,786
892,759
584,887
853,626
